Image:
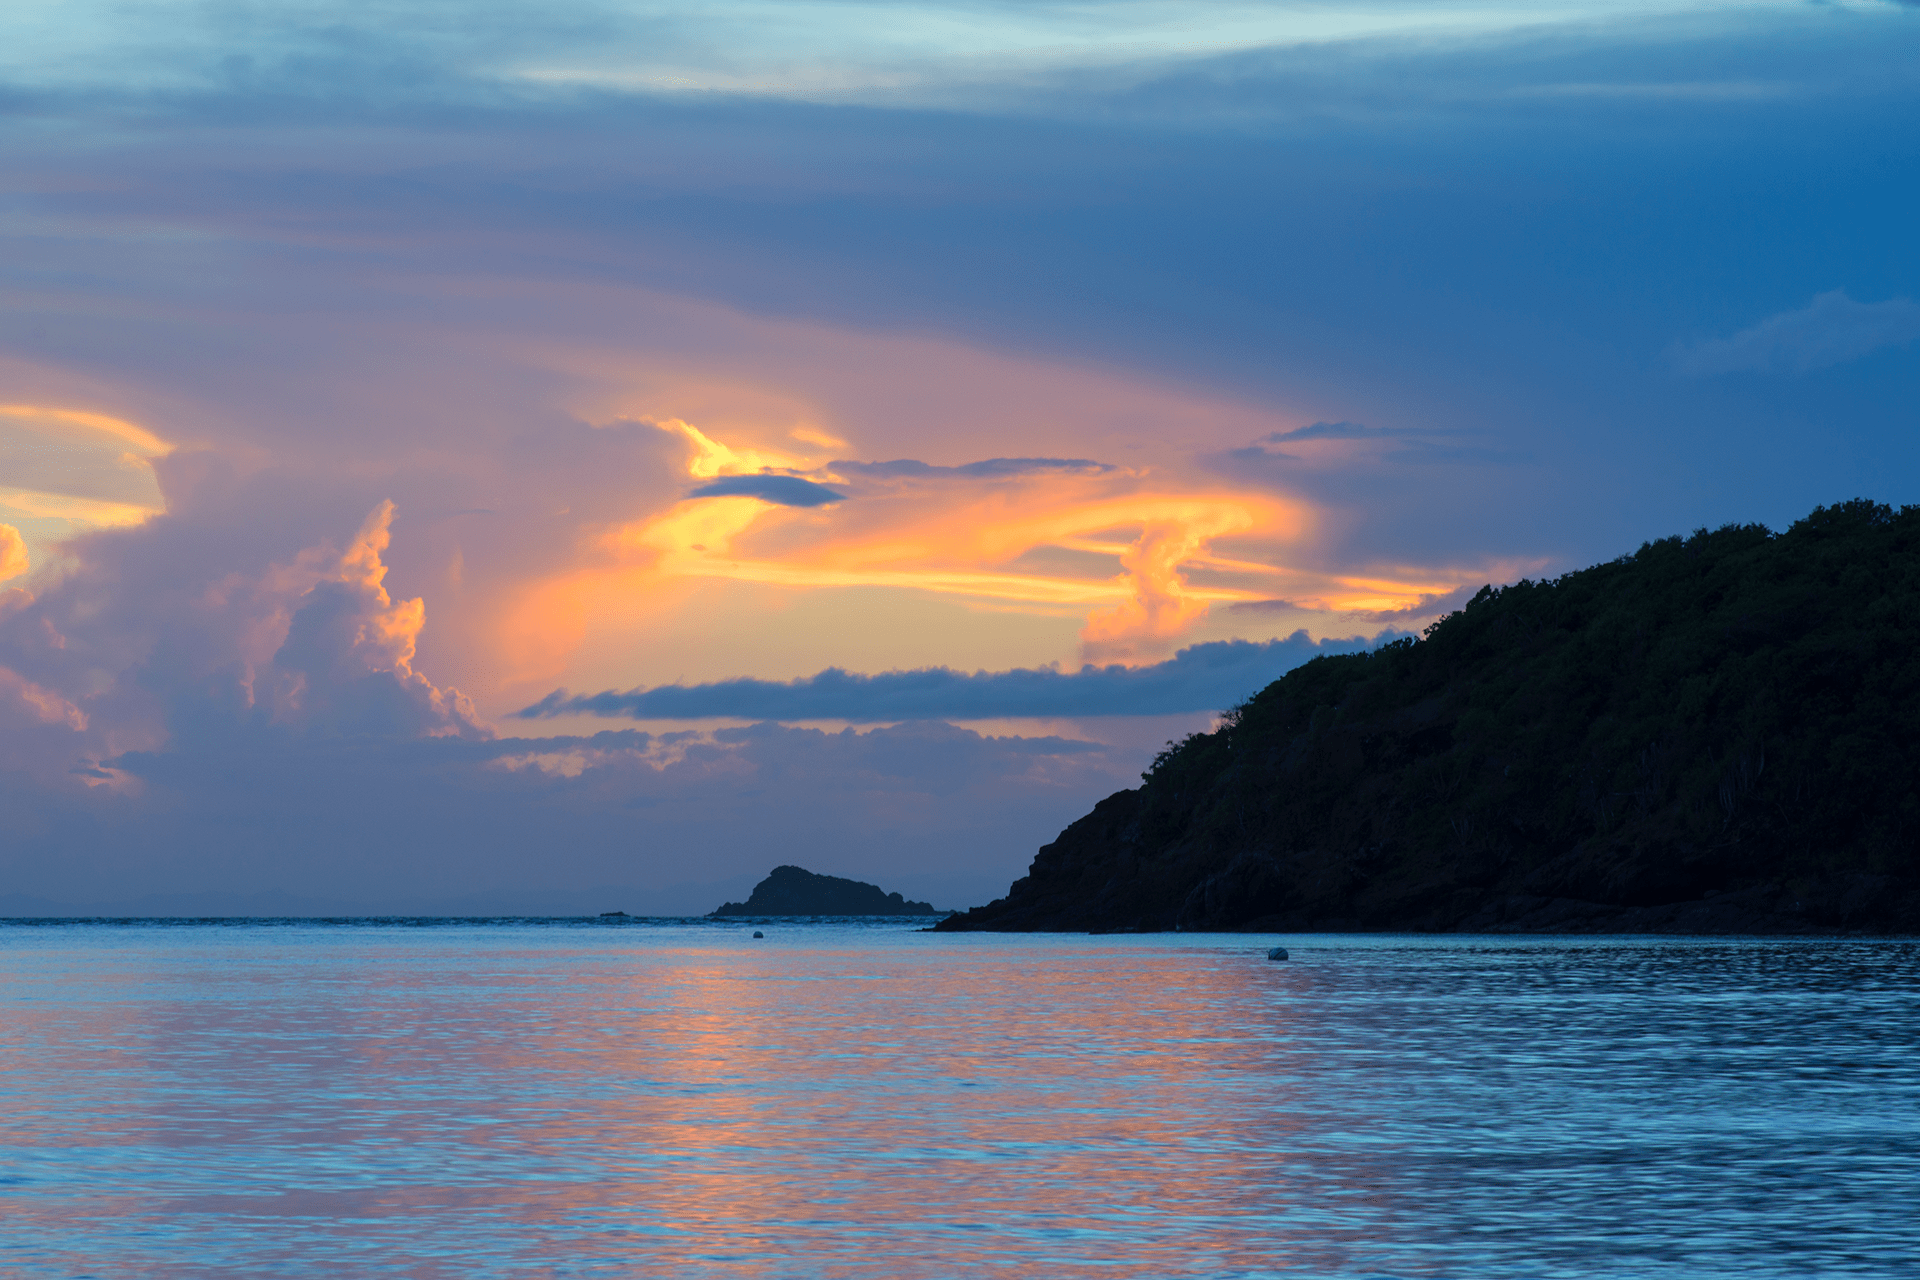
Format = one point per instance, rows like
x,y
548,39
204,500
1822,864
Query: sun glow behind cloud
x,y
1115,547
70,470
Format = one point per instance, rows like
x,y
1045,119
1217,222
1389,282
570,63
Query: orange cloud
x,y
813,435
369,632
963,537
42,705
63,422
1138,558
388,632
13,553
67,470
711,458
1161,605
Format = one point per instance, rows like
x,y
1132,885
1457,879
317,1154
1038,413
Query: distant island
x,y
795,891
1715,734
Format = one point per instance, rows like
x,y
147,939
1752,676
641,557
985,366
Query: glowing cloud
x,y
65,421
67,471
13,553
711,458
1161,606
386,634
349,646
87,512
41,705
937,529
813,435
1143,560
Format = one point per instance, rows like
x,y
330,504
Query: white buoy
x,y
1276,953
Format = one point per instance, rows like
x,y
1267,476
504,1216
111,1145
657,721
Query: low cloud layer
x,y
1202,677
1831,330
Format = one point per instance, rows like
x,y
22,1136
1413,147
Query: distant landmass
x,y
795,891
1715,734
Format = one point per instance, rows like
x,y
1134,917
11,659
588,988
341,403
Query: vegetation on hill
x,y
1717,733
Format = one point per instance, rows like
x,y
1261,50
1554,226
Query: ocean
x,y
676,1098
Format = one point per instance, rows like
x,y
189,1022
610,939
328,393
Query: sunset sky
x,y
444,444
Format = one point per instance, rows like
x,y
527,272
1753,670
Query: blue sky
x,y
721,346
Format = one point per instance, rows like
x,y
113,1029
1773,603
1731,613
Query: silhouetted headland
x,y
1715,734
795,891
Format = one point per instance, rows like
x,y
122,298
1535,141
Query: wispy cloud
x,y
1202,677
1331,431
1426,606
1831,330
1395,445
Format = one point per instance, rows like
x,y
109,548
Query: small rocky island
x,y
1715,734
795,891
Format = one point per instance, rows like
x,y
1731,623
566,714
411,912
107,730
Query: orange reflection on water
x,y
913,1110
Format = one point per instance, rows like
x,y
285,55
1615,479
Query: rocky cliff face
x,y
1715,734
795,891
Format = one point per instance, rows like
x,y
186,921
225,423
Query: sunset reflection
x,y
704,1108
472,1101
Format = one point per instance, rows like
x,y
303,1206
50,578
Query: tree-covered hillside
x,y
1715,733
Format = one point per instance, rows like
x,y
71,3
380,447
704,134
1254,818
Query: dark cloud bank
x,y
1203,677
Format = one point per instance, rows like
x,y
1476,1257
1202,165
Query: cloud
x,y
346,663
64,470
989,469
1428,605
1331,431
1159,607
39,705
1407,448
13,553
1831,330
65,422
1201,677
786,491
128,658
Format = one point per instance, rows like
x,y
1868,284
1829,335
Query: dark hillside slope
x,y
1714,734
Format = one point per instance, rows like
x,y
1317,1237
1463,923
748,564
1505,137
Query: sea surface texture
x,y
451,1099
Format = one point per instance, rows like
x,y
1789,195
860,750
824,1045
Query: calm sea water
x,y
537,1100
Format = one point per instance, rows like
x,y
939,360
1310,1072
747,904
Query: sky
x,y
469,457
